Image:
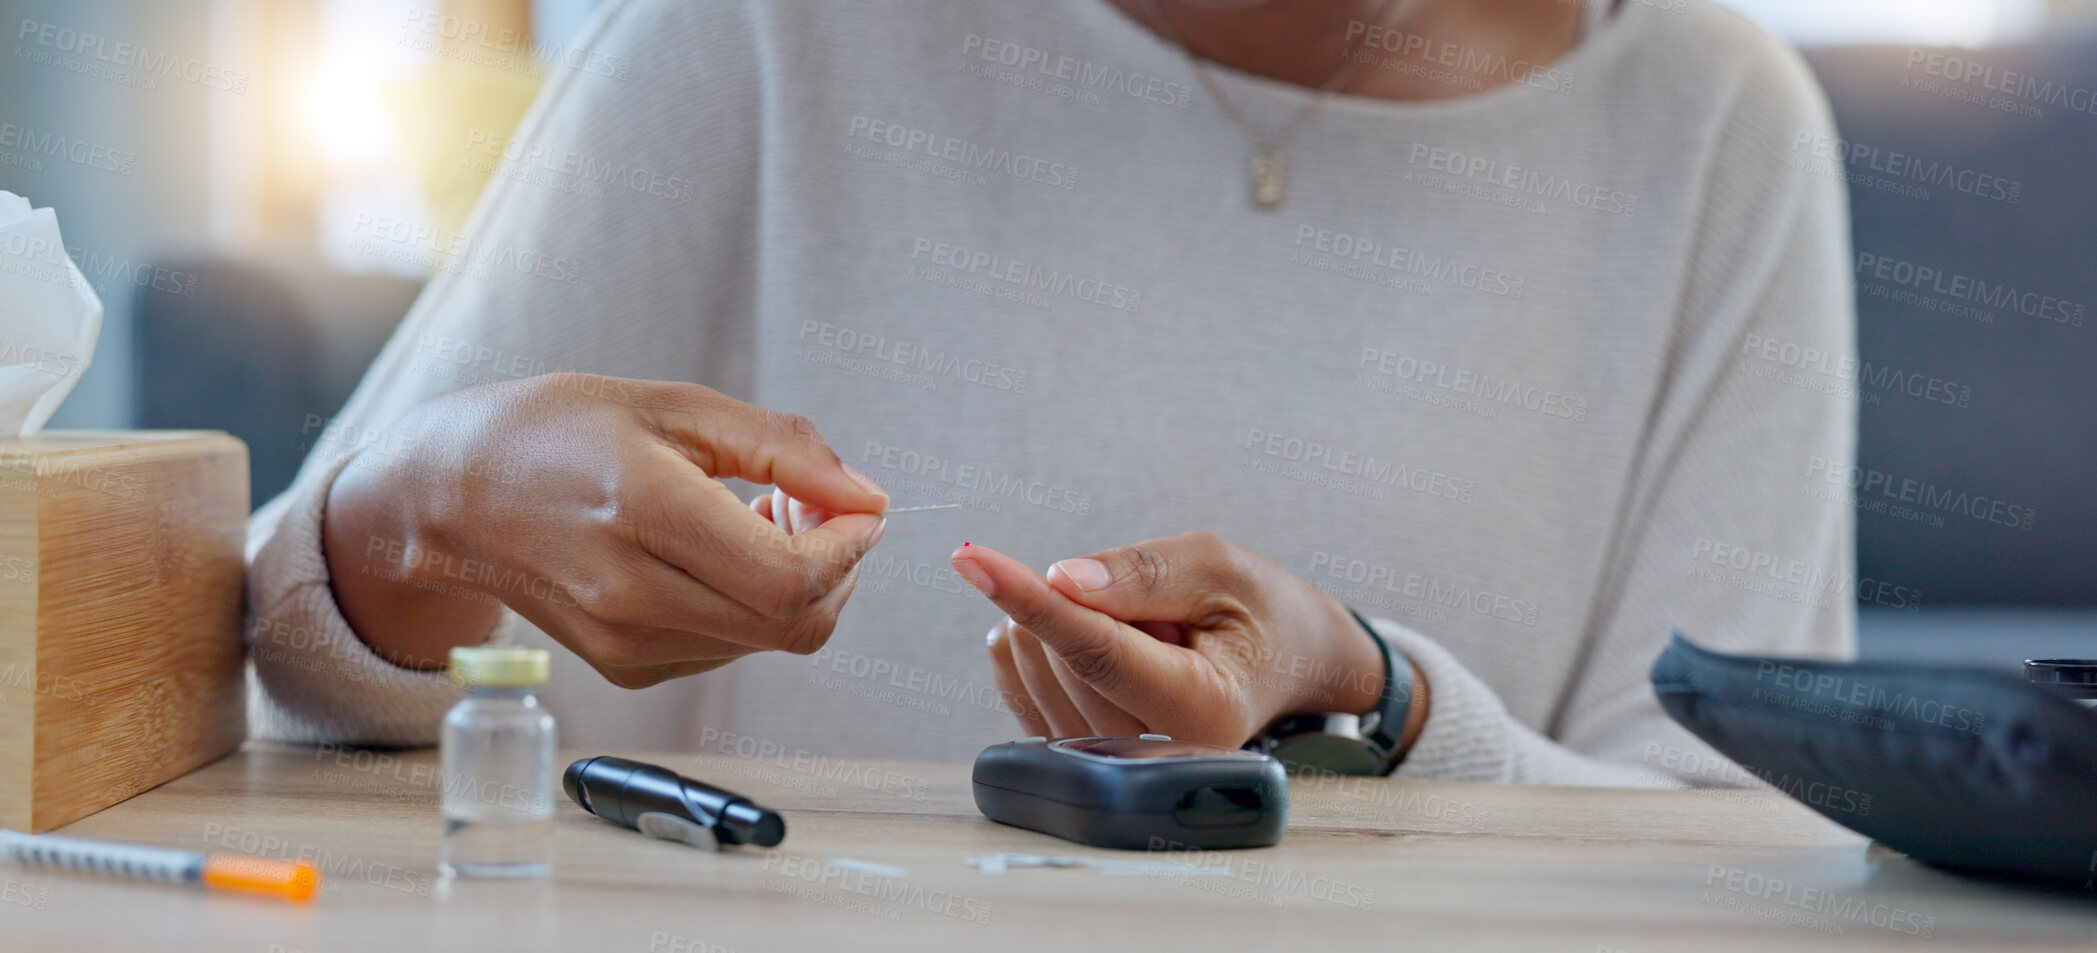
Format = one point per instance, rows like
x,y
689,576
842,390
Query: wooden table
x,y
1367,864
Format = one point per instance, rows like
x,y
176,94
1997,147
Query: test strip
x,y
869,867
920,509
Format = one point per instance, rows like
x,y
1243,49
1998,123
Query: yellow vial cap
x,y
499,666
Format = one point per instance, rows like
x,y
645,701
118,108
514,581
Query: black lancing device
x,y
660,803
1144,793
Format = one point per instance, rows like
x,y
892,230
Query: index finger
x,y
732,439
1126,666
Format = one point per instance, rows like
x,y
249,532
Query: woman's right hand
x,y
594,507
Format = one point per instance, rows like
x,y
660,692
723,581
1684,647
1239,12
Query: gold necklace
x,y
1267,153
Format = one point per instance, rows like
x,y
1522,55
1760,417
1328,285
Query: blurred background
x,y
251,179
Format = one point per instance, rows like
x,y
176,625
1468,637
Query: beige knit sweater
x,y
1529,376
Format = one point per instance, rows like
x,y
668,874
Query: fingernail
x,y
974,574
873,539
1089,574
991,637
863,480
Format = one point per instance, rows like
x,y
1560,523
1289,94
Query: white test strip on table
x,y
996,864
868,867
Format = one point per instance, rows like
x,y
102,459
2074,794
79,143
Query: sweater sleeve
x,y
605,242
1723,479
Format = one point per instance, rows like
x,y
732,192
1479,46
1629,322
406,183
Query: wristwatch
x,y
1343,742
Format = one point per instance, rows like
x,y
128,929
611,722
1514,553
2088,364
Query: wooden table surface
x,y
1367,864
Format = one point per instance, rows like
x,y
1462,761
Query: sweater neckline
x,y
1603,36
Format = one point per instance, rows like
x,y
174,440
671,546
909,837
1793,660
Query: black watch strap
x,y
1388,732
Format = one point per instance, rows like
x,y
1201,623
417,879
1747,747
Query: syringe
x,y
298,880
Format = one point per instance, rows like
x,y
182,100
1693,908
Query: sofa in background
x,y
1997,191
265,350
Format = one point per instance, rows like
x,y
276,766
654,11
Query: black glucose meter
x,y
1144,793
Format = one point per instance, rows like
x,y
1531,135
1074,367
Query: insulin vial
x,y
2076,677
498,766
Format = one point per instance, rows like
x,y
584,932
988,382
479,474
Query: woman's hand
x,y
594,507
1190,636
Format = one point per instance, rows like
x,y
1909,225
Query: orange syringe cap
x,y
298,880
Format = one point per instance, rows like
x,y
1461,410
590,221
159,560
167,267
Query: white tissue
x,y
49,317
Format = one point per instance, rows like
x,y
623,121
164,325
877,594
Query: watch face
x,y
1133,749
1327,754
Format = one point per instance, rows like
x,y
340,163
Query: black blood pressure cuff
x,y
1964,769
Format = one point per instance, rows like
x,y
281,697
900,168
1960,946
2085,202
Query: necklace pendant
x,y
1267,178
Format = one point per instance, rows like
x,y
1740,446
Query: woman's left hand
x,y
1192,636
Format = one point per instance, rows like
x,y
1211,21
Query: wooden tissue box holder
x,y
121,576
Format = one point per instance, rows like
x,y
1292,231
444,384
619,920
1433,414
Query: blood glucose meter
x,y
1147,792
